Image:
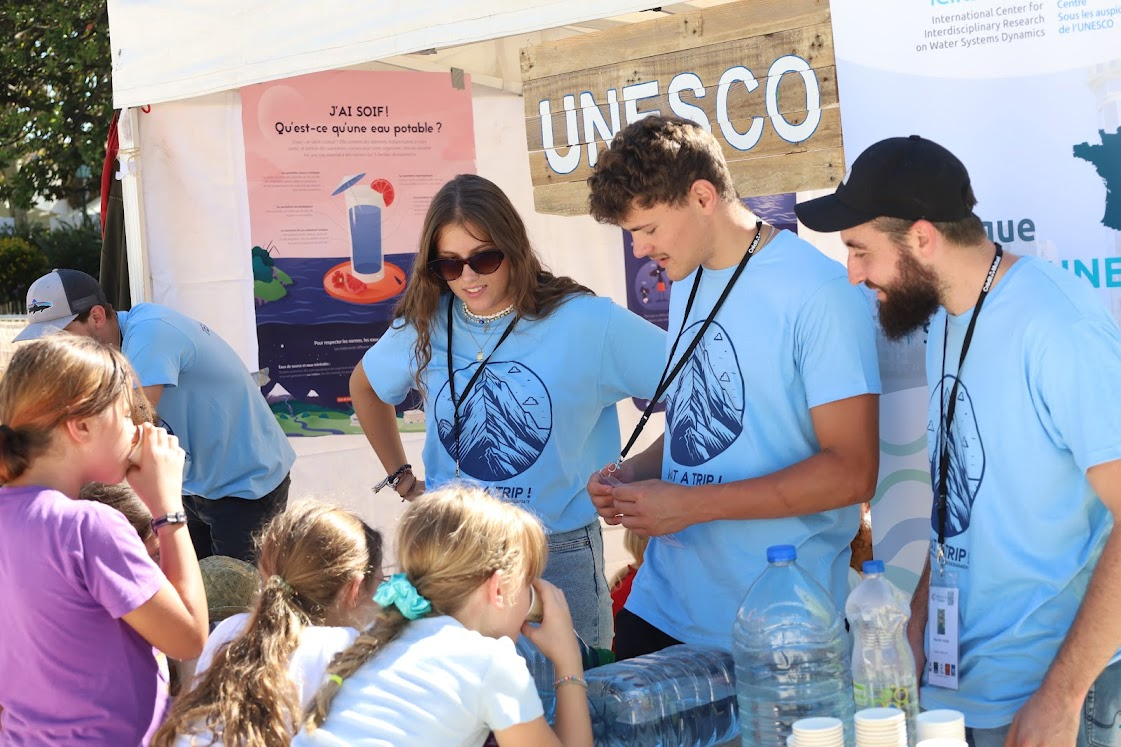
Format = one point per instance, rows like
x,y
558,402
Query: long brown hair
x,y
486,213
308,554
50,381
449,542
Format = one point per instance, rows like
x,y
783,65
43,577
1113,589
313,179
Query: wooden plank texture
x,y
796,172
672,34
751,34
814,44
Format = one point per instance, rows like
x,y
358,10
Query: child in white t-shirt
x,y
439,666
260,669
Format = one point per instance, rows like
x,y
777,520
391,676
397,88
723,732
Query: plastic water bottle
x,y
883,667
545,676
791,654
683,696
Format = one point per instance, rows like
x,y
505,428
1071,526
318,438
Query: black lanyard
x,y
471,381
667,375
944,457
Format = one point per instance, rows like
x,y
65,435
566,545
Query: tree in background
x,y
55,99
21,264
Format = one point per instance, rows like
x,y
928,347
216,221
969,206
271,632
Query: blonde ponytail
x,y
448,543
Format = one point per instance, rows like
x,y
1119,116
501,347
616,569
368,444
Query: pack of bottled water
x,y
682,696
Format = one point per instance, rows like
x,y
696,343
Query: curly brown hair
x,y
655,161
486,213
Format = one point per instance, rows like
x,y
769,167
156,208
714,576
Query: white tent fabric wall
x,y
197,215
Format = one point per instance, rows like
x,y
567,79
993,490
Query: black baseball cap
x,y
901,177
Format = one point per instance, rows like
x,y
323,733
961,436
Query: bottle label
x,y
866,696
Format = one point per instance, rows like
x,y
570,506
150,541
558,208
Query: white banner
x,y
1028,95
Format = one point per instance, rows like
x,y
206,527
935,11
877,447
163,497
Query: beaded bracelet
x,y
394,479
575,679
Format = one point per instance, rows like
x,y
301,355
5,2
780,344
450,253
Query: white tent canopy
x,y
169,51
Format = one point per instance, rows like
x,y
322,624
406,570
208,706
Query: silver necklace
x,y
485,320
478,356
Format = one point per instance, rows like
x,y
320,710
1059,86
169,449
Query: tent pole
x,y
132,195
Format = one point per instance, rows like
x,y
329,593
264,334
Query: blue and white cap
x,y
56,299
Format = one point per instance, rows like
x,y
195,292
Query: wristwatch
x,y
175,517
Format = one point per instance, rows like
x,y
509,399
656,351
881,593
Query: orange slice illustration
x,y
383,187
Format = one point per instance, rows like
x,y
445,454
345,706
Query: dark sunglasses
x,y
484,263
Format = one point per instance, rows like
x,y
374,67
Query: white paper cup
x,y
939,724
881,727
822,731
818,724
879,715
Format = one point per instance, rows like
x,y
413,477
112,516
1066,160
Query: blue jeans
x,y
576,567
1101,716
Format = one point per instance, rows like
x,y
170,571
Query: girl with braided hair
x,y
439,667
319,565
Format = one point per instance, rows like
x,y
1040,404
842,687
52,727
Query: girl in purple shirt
x,y
81,603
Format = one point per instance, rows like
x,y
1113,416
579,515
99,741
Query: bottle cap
x,y
873,566
779,553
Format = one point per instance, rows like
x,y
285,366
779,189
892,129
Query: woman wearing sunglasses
x,y
519,372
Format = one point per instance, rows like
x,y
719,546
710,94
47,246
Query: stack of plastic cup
x,y
821,731
940,724
943,742
881,727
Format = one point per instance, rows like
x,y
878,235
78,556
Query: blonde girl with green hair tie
x,y
438,667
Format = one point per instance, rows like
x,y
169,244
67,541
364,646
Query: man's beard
x,y
910,301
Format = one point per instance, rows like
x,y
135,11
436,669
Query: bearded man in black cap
x,y
1024,368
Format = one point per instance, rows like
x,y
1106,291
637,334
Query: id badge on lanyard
x,y
942,639
942,630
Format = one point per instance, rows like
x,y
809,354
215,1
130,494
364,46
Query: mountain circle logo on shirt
x,y
967,456
504,423
706,405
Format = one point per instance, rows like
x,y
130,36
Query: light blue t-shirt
x,y
1039,403
235,447
792,335
541,418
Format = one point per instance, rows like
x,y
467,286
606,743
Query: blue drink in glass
x,y
365,240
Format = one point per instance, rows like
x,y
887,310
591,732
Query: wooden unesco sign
x,y
759,74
